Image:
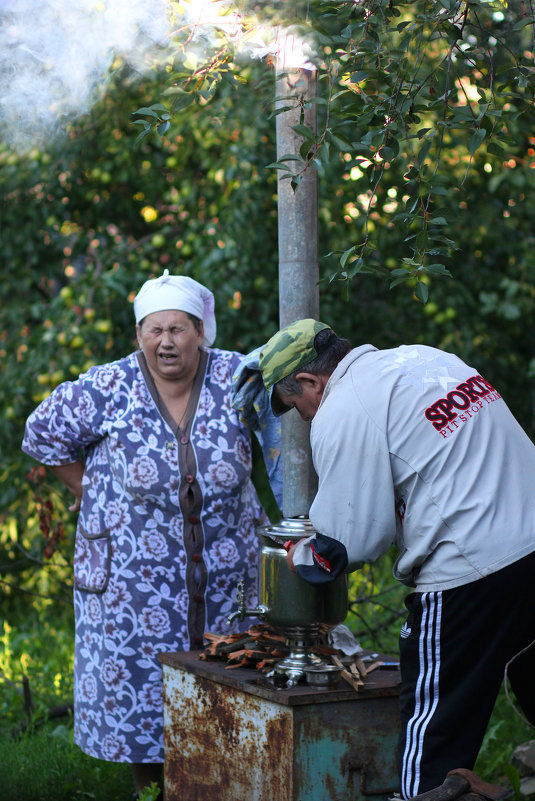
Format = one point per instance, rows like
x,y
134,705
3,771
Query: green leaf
x,y
183,102
357,77
391,150
139,138
422,240
437,269
495,149
281,110
147,111
527,20
355,268
421,291
439,190
423,152
287,157
316,101
175,90
332,253
345,255
398,281
341,144
305,131
475,140
304,150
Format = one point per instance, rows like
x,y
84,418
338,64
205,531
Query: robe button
x,y
190,479
198,597
196,557
193,519
184,440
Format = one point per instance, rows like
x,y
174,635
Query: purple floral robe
x,y
165,532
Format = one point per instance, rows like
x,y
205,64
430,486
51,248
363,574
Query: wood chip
x,y
345,674
355,673
361,667
373,666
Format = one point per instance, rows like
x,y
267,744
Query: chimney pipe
x,y
298,267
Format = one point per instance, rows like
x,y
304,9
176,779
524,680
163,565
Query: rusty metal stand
x,y
230,735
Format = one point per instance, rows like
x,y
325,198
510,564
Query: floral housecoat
x,y
165,532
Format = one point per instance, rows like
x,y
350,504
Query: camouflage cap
x,y
289,349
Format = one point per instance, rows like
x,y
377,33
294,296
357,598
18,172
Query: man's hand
x,y
290,554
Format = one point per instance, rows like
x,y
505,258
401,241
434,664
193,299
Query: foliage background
x,y
425,156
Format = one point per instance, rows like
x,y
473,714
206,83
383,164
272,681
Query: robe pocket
x,y
92,561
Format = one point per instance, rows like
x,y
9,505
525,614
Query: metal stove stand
x,y
231,735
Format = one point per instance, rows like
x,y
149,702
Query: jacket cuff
x,y
320,559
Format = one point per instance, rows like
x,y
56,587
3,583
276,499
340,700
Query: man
x,y
414,447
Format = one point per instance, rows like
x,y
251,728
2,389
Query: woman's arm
x,y
71,475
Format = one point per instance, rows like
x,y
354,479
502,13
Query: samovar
x,y
303,612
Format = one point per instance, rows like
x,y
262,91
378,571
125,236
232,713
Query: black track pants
x,y
454,647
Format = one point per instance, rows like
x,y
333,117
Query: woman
x,y
160,465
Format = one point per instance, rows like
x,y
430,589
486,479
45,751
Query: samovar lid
x,y
290,528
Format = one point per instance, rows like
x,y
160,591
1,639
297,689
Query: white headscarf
x,y
179,293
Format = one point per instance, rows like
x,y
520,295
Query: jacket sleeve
x,y
355,502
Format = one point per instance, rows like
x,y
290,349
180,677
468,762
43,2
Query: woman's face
x,y
171,344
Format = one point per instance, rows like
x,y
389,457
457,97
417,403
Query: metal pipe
x,y
298,267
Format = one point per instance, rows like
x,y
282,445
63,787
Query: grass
x,y
506,731
45,765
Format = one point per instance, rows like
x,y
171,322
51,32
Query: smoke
x,y
56,55
55,58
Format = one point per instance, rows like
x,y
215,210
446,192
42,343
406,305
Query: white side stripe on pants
x,y
426,695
